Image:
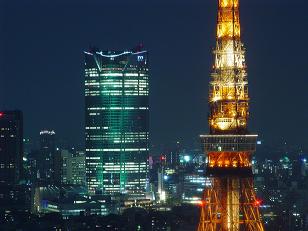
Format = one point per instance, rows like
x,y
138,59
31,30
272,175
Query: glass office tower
x,y
116,121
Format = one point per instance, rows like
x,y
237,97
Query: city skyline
x,y
179,115
60,75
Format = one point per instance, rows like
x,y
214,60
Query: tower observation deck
x,y
231,203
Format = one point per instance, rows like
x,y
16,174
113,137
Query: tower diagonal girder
x,y
243,214
230,204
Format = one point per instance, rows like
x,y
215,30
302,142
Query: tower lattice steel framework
x,y
231,203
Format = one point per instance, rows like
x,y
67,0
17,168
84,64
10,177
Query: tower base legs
x,y
230,205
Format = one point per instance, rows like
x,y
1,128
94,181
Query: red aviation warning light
x,y
201,203
257,203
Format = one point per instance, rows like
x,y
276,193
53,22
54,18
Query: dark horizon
x,y
41,63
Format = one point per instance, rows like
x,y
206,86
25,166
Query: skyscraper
x,y
11,147
117,121
13,194
46,158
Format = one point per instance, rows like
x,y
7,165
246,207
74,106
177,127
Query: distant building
x,y
117,121
194,185
73,168
168,185
33,166
11,147
68,201
27,146
14,196
46,158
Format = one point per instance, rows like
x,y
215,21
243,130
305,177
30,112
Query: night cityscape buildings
x,y
117,121
110,171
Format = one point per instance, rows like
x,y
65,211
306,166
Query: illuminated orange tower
x,y
231,203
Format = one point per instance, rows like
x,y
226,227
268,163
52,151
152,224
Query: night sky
x,y
41,62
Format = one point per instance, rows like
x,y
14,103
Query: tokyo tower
x,y
230,204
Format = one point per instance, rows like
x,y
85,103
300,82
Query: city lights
x,y
116,92
100,133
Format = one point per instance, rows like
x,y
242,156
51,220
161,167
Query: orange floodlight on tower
x,y
231,203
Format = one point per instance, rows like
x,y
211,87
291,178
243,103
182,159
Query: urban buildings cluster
x,y
116,183
51,182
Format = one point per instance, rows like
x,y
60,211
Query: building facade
x,y
117,121
14,194
11,147
73,168
46,158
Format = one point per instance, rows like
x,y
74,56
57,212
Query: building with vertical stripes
x,y
117,121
